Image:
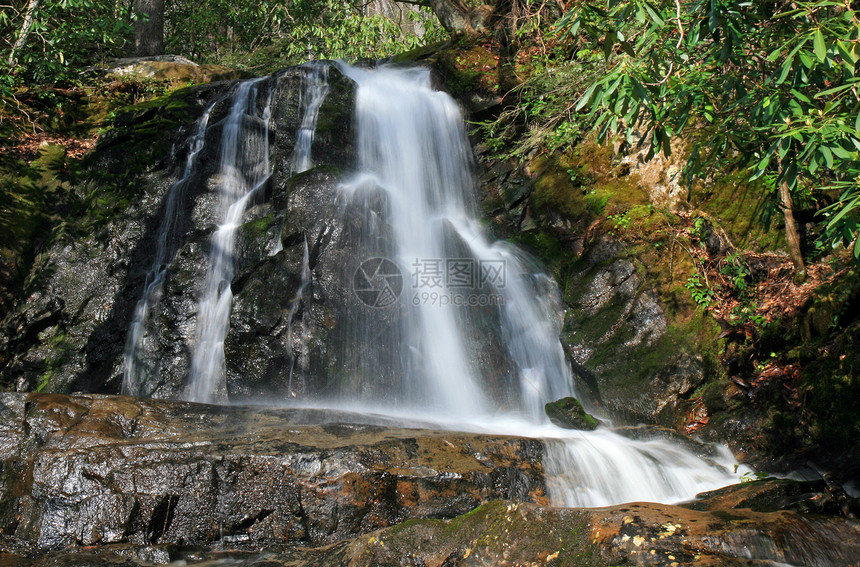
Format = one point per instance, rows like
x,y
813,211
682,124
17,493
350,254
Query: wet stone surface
x,y
85,469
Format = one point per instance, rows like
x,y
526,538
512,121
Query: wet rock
x,y
569,414
646,432
664,535
771,495
496,534
617,331
86,469
70,334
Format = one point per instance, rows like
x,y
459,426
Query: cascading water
x,y
315,81
244,169
301,352
412,146
454,329
135,369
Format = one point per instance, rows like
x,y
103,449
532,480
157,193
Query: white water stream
x,y
136,371
477,345
244,169
315,83
412,145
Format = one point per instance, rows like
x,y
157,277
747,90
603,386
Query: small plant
x,y
700,231
738,272
700,291
753,476
620,221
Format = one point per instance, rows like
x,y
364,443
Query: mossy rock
x,y
177,72
569,414
496,533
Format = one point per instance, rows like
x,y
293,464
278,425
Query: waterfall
x,y
135,370
315,80
302,341
442,325
243,170
412,147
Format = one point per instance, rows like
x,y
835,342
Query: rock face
x,y
631,534
627,358
569,414
508,534
70,333
85,469
653,534
617,330
111,480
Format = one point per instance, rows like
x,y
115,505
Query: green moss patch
x,y
496,533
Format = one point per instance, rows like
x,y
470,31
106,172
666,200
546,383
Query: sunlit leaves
x,y
288,32
64,35
779,86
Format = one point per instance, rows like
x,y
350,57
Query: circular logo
x,y
378,282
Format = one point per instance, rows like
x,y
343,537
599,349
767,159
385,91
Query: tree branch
x,y
32,6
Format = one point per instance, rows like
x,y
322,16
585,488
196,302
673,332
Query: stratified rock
x,y
88,469
773,494
500,534
618,332
507,534
569,414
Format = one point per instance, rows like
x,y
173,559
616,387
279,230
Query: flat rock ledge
x,y
511,534
92,481
81,470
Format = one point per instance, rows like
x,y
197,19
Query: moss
x,y
554,190
830,388
581,184
737,205
553,537
469,66
257,230
34,197
569,414
546,246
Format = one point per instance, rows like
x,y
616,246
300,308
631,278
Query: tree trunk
x,y
455,16
32,5
791,234
149,27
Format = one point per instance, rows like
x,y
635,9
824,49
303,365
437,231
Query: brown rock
x,y
88,469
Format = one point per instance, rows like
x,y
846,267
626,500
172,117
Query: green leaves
x,y
791,114
272,33
64,36
819,45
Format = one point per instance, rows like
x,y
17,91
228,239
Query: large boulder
x,y
87,469
569,414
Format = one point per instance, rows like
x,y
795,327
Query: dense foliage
x,y
269,32
59,37
50,42
774,85
768,87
